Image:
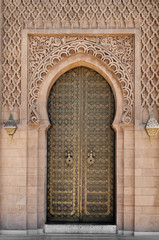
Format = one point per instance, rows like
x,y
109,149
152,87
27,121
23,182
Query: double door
x,y
81,149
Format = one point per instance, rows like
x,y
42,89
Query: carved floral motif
x,y
116,52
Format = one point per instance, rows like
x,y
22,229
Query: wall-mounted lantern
x,y
10,127
152,127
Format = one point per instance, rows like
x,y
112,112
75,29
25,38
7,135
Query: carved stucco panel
x,y
117,52
79,14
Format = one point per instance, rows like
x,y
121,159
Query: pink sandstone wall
x,y
23,161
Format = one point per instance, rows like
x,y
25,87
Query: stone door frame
x,y
37,140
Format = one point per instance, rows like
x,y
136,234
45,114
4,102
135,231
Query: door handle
x,y
91,158
69,158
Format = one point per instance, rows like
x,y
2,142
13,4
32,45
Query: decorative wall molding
x,y
80,14
117,52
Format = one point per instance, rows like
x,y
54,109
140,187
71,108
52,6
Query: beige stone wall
x,y
13,180
23,181
146,183
23,162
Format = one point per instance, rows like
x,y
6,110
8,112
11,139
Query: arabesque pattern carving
x,y
115,52
19,14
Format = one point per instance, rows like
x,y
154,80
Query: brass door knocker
x,y
91,158
69,158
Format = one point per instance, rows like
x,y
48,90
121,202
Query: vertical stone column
x,y
125,178
32,177
119,178
36,178
128,168
42,177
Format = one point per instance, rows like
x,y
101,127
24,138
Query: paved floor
x,y
76,237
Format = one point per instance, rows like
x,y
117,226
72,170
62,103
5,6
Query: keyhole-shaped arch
x,y
80,59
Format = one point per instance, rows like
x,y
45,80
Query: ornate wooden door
x,y
81,149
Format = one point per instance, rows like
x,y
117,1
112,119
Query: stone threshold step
x,y
79,228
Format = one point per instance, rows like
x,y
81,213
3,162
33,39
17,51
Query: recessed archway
x,y
61,67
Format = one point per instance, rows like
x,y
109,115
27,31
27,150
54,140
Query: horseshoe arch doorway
x,y
81,149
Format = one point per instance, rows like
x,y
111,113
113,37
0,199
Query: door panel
x,y
81,148
63,136
99,138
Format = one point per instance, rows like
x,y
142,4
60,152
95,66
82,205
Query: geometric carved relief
x,y
115,52
96,14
